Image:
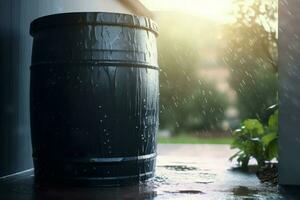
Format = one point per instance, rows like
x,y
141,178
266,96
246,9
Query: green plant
x,y
255,140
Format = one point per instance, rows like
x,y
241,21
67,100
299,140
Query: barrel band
x,y
106,160
93,63
146,174
93,18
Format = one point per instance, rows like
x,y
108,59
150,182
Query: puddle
x,y
195,179
244,191
263,192
186,192
204,182
179,167
160,179
185,180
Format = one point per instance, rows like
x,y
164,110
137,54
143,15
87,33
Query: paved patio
x,y
183,172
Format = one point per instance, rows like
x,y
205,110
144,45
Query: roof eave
x,y
137,8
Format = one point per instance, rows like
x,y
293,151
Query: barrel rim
x,y
93,18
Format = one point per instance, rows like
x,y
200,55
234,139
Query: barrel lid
x,y
93,18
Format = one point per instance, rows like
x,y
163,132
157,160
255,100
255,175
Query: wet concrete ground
x,y
183,172
204,172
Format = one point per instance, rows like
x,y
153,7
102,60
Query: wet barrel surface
x,y
94,98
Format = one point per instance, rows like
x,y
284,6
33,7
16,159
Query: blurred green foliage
x,y
194,139
250,51
248,48
187,103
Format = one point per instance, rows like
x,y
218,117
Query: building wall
x,y
15,56
289,92
15,147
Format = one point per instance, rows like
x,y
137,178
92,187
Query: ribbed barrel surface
x,y
94,98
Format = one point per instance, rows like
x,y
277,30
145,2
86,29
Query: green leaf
x,y
254,126
272,150
273,122
257,139
269,138
251,147
237,131
244,160
235,155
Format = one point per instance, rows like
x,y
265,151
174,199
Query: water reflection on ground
x,y
204,172
183,172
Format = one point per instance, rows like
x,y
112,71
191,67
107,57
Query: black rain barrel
x,y
94,95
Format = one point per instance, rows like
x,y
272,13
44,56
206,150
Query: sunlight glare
x,y
218,10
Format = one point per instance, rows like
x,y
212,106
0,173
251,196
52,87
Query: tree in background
x,y
188,104
250,45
